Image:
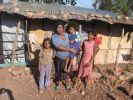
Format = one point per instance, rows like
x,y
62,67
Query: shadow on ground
x,y
9,92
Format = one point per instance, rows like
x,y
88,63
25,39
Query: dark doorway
x,y
1,44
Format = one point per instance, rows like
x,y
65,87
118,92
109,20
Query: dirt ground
x,y
24,87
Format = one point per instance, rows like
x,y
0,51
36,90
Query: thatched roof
x,y
56,11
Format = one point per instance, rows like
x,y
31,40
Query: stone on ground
x,y
15,71
117,73
4,96
96,75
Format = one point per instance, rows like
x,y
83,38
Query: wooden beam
x,y
27,40
131,51
15,43
1,42
123,35
108,46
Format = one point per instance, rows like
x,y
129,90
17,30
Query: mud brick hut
x,y
39,19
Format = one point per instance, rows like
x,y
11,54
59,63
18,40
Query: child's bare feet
x,y
65,69
48,88
41,91
86,83
69,69
78,81
66,65
91,81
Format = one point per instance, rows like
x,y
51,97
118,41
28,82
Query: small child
x,y
45,65
74,39
89,48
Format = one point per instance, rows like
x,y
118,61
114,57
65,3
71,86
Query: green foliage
x,y
122,7
113,83
71,2
103,77
106,4
129,67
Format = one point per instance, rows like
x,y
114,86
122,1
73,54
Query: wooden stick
x,y
81,42
27,40
108,46
119,48
93,58
15,43
131,52
107,50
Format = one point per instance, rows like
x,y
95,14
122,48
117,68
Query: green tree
x,y
71,2
122,7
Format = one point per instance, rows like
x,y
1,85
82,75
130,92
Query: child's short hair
x,y
92,31
46,39
72,24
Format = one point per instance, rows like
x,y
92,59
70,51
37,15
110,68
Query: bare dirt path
x,y
24,87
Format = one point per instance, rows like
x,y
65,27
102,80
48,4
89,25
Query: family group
x,y
61,49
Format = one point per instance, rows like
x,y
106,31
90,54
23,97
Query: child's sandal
x,y
68,87
57,87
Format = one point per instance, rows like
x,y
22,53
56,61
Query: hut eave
x,y
61,12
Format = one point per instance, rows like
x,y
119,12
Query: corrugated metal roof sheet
x,y
62,12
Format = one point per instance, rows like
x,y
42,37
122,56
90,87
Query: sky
x,y
85,3
81,3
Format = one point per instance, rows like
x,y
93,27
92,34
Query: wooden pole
x,y
80,53
119,48
80,32
131,52
15,43
27,40
108,46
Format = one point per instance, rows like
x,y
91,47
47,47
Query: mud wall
x,y
111,36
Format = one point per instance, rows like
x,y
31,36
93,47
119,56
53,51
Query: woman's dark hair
x,y
71,24
46,39
92,31
57,24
